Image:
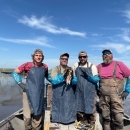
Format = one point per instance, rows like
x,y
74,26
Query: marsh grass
x,y
6,69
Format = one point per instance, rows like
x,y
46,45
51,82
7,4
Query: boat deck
x,y
57,126
15,122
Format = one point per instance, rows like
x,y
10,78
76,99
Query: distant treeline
x,y
9,70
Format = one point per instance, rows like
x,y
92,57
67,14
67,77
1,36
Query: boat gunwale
x,y
9,118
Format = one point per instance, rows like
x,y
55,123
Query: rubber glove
x,y
17,78
74,80
124,95
94,79
127,85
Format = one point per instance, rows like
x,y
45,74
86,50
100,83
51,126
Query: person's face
x,y
83,59
38,57
63,60
107,57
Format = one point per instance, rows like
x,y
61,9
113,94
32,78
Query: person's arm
x,y
94,70
126,74
94,78
74,80
54,77
124,69
15,73
17,70
46,73
127,86
95,74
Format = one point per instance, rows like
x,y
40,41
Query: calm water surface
x,y
10,96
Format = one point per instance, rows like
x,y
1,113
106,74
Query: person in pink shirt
x,y
33,92
112,92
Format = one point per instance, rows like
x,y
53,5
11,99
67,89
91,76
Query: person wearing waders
x,y
63,97
33,94
112,91
86,92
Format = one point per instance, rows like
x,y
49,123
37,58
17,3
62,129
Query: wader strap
x,y
91,65
87,64
114,72
78,64
59,69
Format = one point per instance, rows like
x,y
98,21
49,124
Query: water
x,y
127,105
10,96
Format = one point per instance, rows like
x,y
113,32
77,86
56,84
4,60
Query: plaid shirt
x,y
26,67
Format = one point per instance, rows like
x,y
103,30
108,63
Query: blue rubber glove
x,y
74,80
127,85
17,78
57,80
94,79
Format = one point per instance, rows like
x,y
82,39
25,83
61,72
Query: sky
x,y
57,26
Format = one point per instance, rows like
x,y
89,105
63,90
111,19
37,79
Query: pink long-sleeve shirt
x,y
106,70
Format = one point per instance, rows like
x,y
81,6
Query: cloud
x,y
41,41
118,47
95,34
126,35
44,24
127,15
11,13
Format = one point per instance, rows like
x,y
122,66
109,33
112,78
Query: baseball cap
x,y
82,53
107,50
64,54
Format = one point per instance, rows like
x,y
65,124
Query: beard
x,y
107,61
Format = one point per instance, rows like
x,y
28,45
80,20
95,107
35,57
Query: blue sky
x,y
58,26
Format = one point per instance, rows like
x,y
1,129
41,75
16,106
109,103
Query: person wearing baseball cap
x,y
112,91
63,97
87,77
107,50
33,91
64,54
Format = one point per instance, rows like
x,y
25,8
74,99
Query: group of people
x,y
75,91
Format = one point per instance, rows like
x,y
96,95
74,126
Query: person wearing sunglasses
x,y
112,91
63,97
86,95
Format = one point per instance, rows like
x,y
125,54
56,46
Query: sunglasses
x,y
64,59
107,52
82,57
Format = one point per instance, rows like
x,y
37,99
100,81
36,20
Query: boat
x,y
16,122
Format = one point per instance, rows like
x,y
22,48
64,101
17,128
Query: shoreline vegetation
x,y
6,70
